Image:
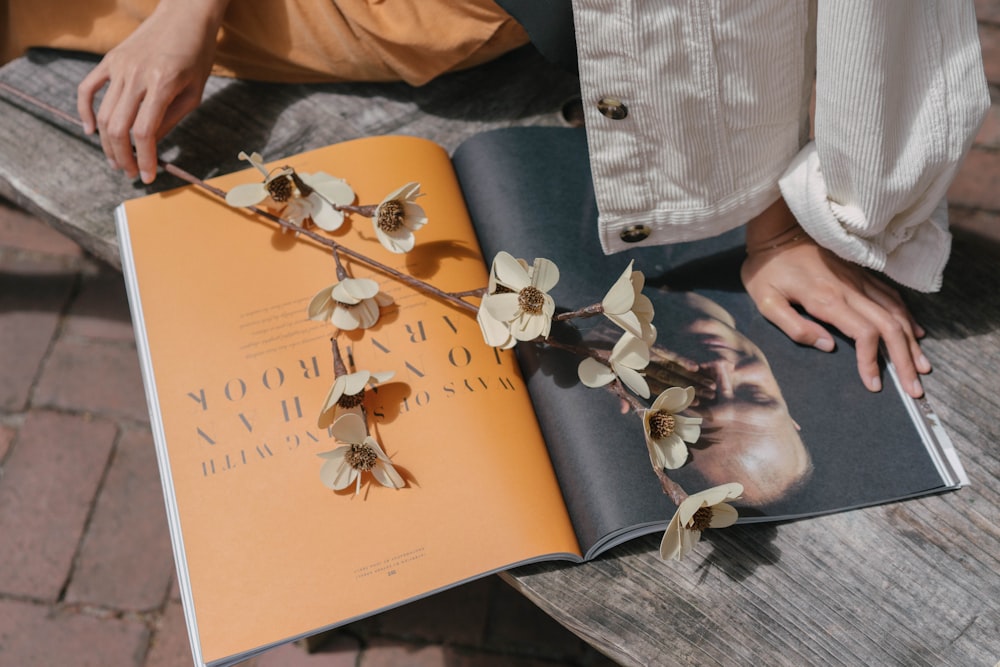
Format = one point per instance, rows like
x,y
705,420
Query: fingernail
x,y
918,389
824,344
875,384
88,128
146,176
113,164
923,362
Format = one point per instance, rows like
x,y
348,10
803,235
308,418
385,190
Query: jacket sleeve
x,y
900,94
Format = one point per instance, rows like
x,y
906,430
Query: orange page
x,y
240,374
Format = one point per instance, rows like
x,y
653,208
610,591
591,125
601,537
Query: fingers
x,y
85,94
777,309
892,324
846,296
114,122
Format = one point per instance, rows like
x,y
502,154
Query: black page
x,y
529,192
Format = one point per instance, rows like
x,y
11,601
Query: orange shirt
x,y
294,41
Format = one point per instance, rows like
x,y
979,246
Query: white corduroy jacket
x,y
697,115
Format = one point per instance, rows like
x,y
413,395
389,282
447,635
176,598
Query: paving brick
x,y
169,645
100,310
32,298
457,616
516,625
94,376
125,560
33,634
989,38
343,651
977,184
382,653
989,133
988,10
22,231
459,657
46,491
6,438
49,482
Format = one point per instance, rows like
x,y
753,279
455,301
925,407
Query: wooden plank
x,y
51,169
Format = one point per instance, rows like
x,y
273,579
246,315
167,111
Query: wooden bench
x,y
914,583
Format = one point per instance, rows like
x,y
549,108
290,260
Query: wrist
x,y
773,228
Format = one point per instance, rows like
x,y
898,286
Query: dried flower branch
x,y
514,307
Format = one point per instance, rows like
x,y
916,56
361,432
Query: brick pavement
x,y
86,574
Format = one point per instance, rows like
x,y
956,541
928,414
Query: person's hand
x,y
154,78
795,270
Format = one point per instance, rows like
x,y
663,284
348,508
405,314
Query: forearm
x,y
900,92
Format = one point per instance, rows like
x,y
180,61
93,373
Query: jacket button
x,y
612,107
635,233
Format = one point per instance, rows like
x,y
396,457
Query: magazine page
x,y
796,427
236,376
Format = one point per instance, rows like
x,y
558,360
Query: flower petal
x,y
350,429
354,290
335,190
321,306
633,379
674,399
593,373
503,307
628,321
332,396
399,242
386,475
495,332
687,428
354,383
723,516
336,473
367,313
345,319
414,216
671,545
530,327
510,272
670,453
247,194
382,376
325,216
621,296
630,351
544,274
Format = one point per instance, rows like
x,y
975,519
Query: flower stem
x,y
589,311
339,368
671,488
174,170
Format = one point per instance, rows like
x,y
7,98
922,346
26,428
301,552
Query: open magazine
x,y
506,460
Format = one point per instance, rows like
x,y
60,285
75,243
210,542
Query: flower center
x,y
362,457
661,424
348,306
531,299
390,215
702,519
351,400
280,188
